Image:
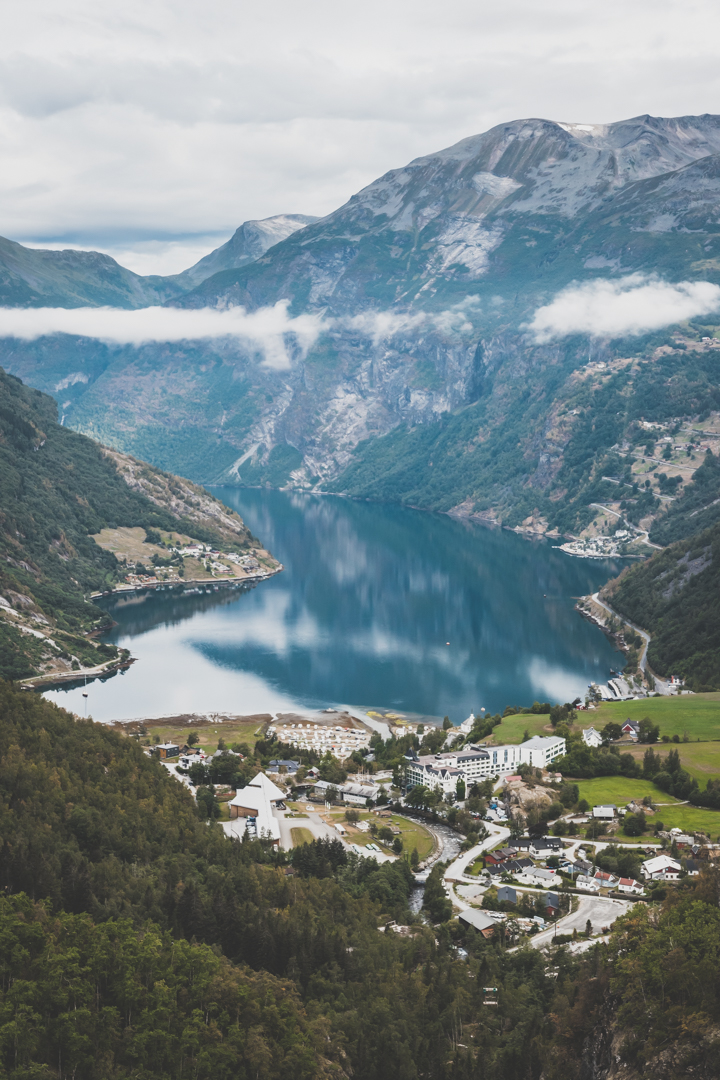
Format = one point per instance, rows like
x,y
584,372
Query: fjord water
x,y
378,606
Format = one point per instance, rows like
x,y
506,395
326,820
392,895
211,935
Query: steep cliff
x,y
420,380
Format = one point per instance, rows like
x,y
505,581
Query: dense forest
x,y
674,596
138,941
57,488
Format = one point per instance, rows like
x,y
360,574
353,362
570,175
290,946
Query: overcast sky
x,y
152,130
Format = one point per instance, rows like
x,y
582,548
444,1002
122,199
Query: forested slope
x,y
136,940
57,488
675,596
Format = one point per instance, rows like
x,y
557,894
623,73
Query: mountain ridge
x,y
423,285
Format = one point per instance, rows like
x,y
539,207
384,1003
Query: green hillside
x,y
138,941
57,489
674,596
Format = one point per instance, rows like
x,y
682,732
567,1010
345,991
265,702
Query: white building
x,y
358,794
587,884
605,813
540,751
476,763
630,885
591,737
257,800
467,725
533,875
661,868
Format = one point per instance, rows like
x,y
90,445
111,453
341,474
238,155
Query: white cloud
x,y
381,325
635,304
120,123
279,336
268,330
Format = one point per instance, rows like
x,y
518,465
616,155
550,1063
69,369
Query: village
x,y
506,878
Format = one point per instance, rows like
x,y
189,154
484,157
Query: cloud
x,y
149,119
271,331
631,305
268,330
381,325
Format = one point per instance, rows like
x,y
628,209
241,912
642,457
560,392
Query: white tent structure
x,y
257,800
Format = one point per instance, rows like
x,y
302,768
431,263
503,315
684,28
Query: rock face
x,y
247,244
525,797
420,290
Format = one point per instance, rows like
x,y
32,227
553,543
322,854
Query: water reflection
x,y
361,615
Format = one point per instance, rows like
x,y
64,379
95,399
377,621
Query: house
x,y
605,813
517,866
278,766
478,921
577,867
495,873
661,868
682,839
257,800
552,905
167,750
605,880
358,794
591,737
494,858
507,894
692,868
630,885
544,846
587,884
523,844
631,728
534,876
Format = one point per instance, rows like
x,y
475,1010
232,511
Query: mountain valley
x,y
423,383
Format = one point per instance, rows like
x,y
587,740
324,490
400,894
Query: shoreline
x,y
197,585
174,583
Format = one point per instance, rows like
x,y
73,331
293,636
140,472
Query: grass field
x,y
240,730
700,759
412,833
696,714
620,790
301,836
512,729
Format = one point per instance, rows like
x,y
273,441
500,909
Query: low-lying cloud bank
x,y
270,330
633,305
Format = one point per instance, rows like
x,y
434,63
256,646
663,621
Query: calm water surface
x,y
360,616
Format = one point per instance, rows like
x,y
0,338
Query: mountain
x,y
247,244
423,384
32,277
675,597
58,492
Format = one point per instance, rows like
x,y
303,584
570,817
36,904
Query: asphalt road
x,y
600,910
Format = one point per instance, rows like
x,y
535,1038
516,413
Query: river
x,y
378,606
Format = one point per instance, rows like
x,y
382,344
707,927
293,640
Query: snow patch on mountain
x,y
487,183
467,243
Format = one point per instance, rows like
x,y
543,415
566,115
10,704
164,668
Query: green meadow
x,y
620,790
697,715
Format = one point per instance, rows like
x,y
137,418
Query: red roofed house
x,y
630,885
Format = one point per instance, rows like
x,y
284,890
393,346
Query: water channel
x,y
378,606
